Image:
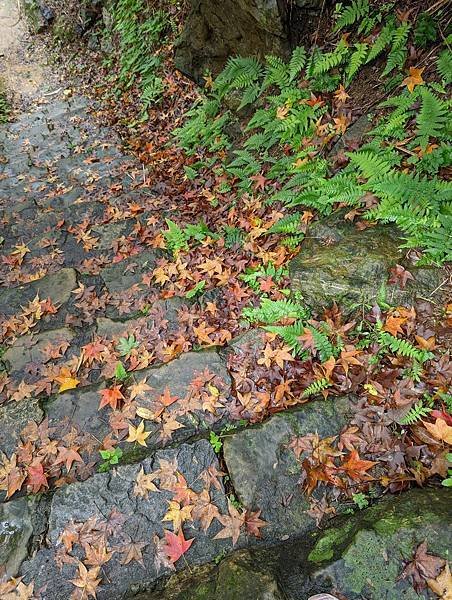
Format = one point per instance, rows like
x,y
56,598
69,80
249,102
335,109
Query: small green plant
x,y
196,290
139,34
5,108
215,442
448,481
316,387
416,413
360,500
120,372
220,556
235,502
272,311
126,345
110,458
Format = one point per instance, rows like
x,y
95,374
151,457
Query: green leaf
x,y
197,289
120,372
126,345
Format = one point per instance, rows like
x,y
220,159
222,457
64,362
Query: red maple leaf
x,y
110,396
176,545
36,477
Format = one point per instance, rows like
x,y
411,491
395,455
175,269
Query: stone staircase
x,y
72,206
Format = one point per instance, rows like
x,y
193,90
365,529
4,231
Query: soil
x,y
23,69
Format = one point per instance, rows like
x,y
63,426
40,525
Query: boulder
x,y
341,263
365,556
22,522
216,30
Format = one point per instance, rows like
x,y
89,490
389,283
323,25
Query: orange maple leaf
x,y
413,79
110,396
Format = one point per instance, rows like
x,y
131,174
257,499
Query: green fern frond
x,y
403,347
357,59
175,238
272,311
415,414
383,40
287,225
398,53
444,66
370,164
329,60
431,118
290,334
351,14
297,62
316,387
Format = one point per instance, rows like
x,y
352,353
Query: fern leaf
x,y
357,59
444,66
431,118
297,62
357,10
383,40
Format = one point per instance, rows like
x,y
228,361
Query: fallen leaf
x,y
176,545
440,430
413,79
138,434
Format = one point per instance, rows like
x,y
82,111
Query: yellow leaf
x,y
413,79
440,430
371,389
138,434
177,514
68,383
145,413
442,585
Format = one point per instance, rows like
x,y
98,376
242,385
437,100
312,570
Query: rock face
x,y
361,558
264,471
15,532
103,497
216,30
339,262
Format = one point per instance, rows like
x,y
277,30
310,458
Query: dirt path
x,y
22,64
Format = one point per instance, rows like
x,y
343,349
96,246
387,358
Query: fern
x,y
398,53
316,387
288,225
384,39
239,73
291,336
175,237
357,59
233,236
444,66
330,60
431,118
323,345
350,15
415,413
370,165
403,347
272,311
297,62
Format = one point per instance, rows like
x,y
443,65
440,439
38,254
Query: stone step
x,y
109,500
57,286
264,471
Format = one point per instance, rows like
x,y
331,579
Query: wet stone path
x,y
107,473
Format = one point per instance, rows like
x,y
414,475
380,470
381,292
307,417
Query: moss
x,y
369,567
329,543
